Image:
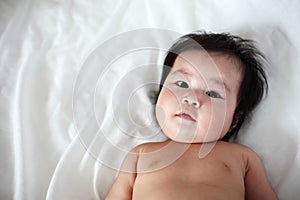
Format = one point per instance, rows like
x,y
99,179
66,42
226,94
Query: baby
x,y
211,83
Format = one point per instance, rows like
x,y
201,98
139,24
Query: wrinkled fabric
x,y
79,79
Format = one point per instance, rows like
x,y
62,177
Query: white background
x,y
44,47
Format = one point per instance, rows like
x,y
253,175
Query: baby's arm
x,y
256,182
123,185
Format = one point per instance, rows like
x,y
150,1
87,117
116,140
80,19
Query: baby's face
x,y
199,97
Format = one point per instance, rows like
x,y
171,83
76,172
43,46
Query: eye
x,y
213,94
182,84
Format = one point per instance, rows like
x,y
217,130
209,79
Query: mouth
x,y
185,116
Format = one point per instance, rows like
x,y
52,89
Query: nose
x,y
190,101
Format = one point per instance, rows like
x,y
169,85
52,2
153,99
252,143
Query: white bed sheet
x,y
78,78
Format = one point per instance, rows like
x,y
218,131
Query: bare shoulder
x,y
257,185
238,147
247,154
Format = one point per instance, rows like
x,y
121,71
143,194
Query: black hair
x,y
254,82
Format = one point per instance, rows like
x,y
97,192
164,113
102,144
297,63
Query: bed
x,y
78,81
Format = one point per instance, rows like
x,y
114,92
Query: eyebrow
x,y
182,72
214,80
220,82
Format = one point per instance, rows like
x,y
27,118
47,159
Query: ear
x,y
235,121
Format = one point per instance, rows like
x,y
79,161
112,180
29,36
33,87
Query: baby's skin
x,y
195,110
222,174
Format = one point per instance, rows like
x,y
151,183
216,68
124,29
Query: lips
x,y
185,116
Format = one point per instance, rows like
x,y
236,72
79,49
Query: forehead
x,y
202,61
210,65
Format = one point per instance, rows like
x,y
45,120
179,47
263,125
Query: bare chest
x,y
190,175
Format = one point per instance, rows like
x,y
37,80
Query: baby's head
x,y
211,83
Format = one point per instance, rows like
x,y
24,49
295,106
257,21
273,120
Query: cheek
x,y
167,99
166,103
218,115
220,119
225,116
230,112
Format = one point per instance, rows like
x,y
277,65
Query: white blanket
x,y
78,82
